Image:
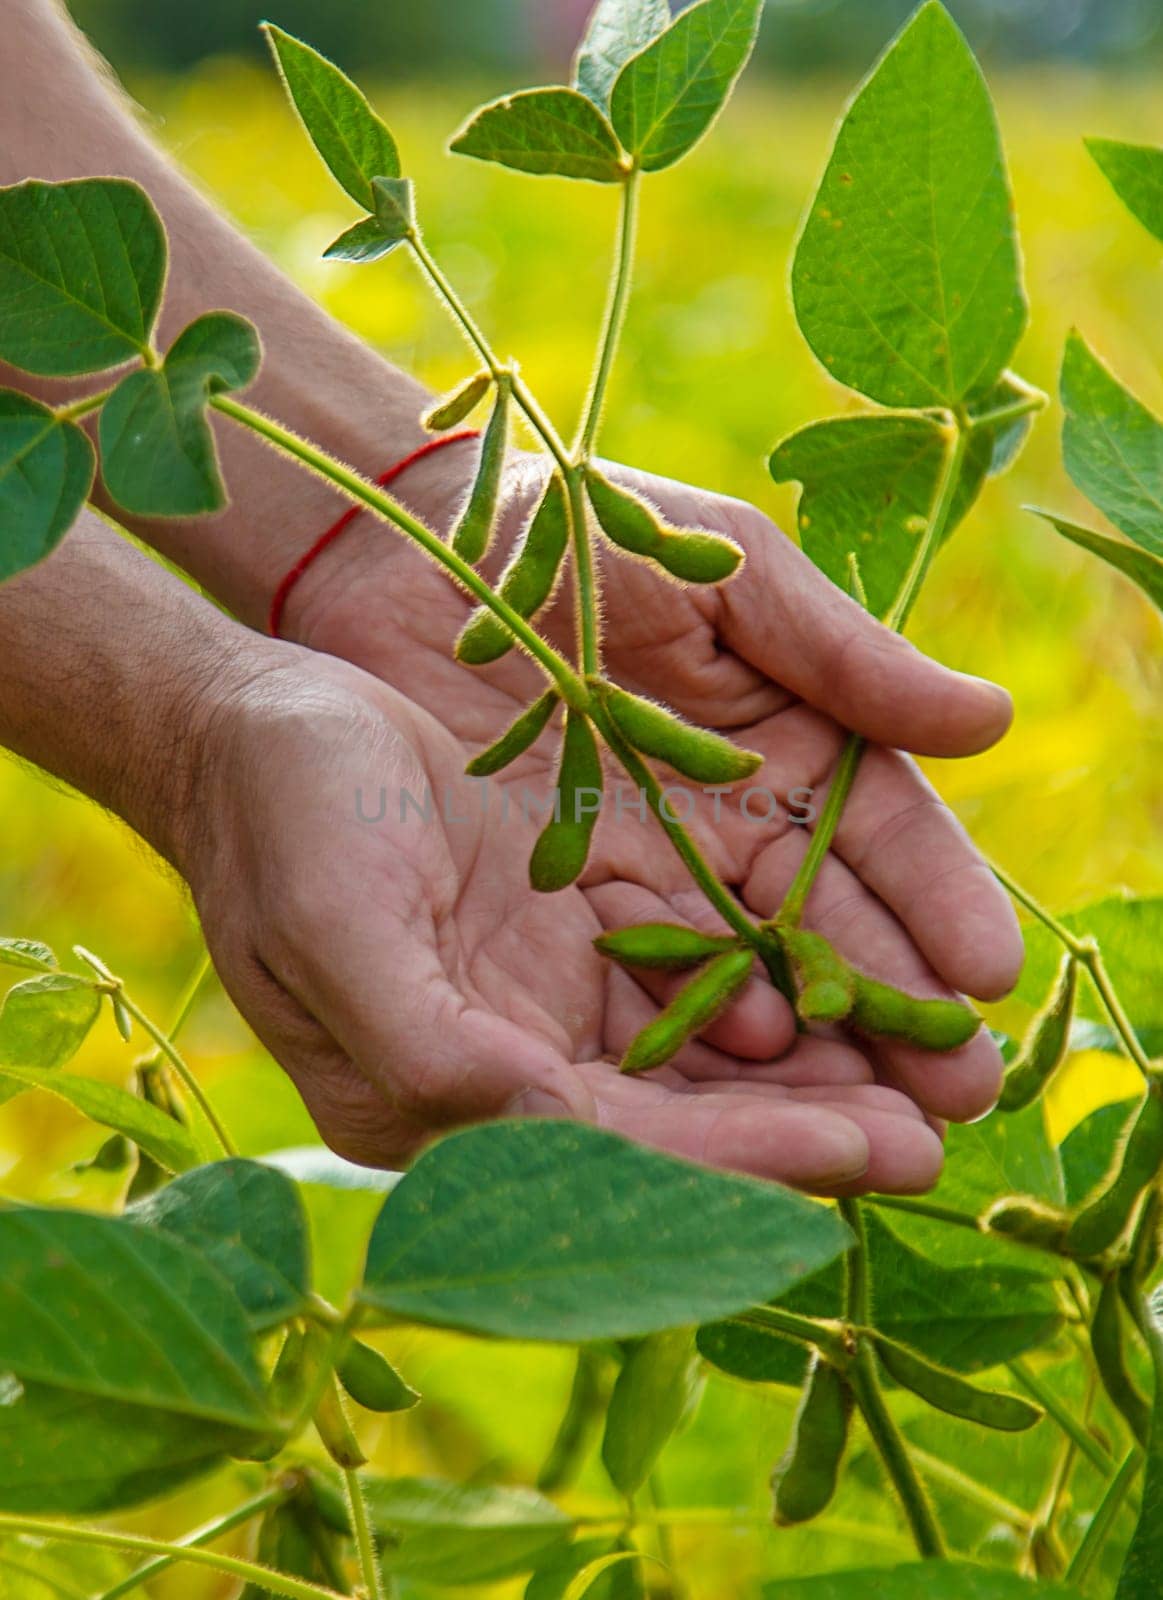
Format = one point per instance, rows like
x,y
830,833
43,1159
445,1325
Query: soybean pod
x,y
516,739
695,752
372,1382
559,856
454,407
665,945
527,582
692,1009
633,525
1045,1044
804,1480
1110,1357
825,983
1101,1221
890,1013
1029,1222
948,1391
475,528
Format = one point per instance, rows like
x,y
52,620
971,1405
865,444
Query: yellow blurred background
x,y
714,374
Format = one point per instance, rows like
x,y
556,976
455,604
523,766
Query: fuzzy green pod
x,y
668,946
516,739
631,524
372,1381
697,753
1110,1357
527,582
477,520
335,1431
454,407
1029,1222
692,1009
1045,1044
559,856
890,1013
804,1480
825,983
948,1391
1100,1222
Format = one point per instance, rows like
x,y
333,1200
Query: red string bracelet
x,y
287,583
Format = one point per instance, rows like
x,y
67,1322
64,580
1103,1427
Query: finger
x,y
784,617
800,1145
811,1062
904,843
759,1023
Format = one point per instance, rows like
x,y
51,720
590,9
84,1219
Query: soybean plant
x,y
1032,1261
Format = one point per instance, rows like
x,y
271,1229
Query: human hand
x,y
409,980
787,663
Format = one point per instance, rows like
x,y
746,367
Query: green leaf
x,y
1088,1150
548,132
248,1222
46,1020
1139,1579
906,279
617,30
555,1574
651,1397
668,95
82,265
28,953
1112,446
1135,173
582,1584
46,471
448,1533
167,1142
157,451
965,1318
31,1569
1130,933
1141,566
559,1231
354,143
66,1452
102,1308
951,1580
365,241
869,483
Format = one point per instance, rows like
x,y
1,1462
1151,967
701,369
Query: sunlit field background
x,y
714,374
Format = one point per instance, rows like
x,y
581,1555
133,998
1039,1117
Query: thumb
x,y
784,617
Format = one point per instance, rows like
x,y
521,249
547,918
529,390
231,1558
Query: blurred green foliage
x,y
715,372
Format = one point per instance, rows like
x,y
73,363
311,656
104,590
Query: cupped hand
x,y
409,980
787,664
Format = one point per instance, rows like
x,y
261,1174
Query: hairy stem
x,y
1086,951
614,321
469,326
263,1578
277,1495
789,914
1087,1444
825,1336
1103,1520
894,1452
369,1561
586,593
169,1050
573,690
924,1208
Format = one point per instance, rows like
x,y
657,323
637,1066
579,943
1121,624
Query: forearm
x,y
115,677
62,117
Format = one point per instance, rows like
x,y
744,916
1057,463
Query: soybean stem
x,y
277,1495
957,443
356,488
825,1336
588,616
369,1562
276,1583
615,318
894,1452
76,409
1048,1400
1103,1519
823,834
924,1208
856,1283
1086,951
193,1088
